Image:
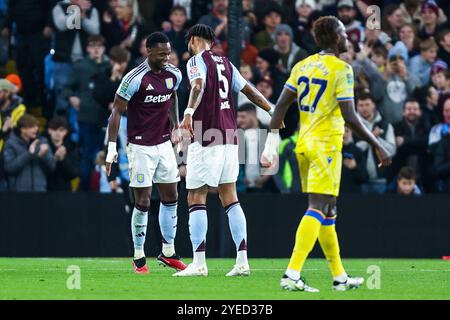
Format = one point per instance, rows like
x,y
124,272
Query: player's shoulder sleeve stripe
x,y
290,87
345,99
136,71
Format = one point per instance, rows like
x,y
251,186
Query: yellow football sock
x,y
330,246
305,238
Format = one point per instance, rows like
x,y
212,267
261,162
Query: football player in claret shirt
x,y
148,95
212,159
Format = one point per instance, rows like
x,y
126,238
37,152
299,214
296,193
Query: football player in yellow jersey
x,y
322,85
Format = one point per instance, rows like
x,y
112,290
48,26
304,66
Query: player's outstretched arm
x,y
348,112
257,98
120,105
270,152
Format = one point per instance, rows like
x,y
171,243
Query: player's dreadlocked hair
x,y
155,38
202,31
324,31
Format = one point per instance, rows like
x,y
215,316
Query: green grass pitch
x,y
114,279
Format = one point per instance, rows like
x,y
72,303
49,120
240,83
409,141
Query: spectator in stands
x,y
11,109
272,18
247,121
247,72
267,68
442,129
106,83
289,52
33,30
66,156
70,42
353,27
265,86
411,11
393,87
420,65
384,131
430,22
217,19
379,57
392,20
411,137
28,158
440,77
354,172
123,27
408,35
177,33
91,115
429,102
249,15
444,46
302,27
405,183
441,168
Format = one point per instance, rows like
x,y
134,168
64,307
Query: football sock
x,y
238,227
305,238
198,226
139,221
330,246
168,225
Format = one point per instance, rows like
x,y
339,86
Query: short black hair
x,y
155,38
247,107
324,32
407,173
411,100
58,122
202,31
364,95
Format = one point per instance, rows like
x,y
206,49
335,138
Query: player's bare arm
x,y
352,120
257,98
120,105
270,152
195,97
174,120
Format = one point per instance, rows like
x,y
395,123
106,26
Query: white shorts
x,y
152,164
211,166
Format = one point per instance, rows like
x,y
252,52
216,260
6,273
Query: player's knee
x,y
171,196
143,202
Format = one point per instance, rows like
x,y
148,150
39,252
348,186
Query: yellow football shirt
x,y
320,82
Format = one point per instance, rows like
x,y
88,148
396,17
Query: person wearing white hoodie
x,y
384,132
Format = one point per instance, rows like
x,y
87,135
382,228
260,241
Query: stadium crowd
x,y
58,83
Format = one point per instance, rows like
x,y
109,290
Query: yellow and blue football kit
x,y
320,82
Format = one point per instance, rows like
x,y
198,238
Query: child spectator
x,y
177,33
420,65
66,156
405,184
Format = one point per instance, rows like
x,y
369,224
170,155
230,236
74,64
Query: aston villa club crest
x,y
169,83
140,178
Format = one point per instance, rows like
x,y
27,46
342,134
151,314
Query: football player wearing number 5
x,y
212,159
322,85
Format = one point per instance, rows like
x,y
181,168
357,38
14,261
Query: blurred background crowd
x,y
58,83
